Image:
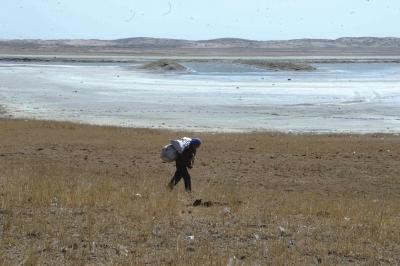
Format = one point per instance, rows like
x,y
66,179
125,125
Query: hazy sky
x,y
201,19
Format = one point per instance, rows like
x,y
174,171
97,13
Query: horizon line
x,y
196,40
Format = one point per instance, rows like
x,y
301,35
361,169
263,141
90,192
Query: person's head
x,y
195,143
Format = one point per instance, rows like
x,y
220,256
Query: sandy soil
x,y
77,194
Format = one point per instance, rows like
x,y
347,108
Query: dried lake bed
x,y
214,96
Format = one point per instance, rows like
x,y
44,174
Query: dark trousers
x,y
182,171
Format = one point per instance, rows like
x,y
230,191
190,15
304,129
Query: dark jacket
x,y
186,158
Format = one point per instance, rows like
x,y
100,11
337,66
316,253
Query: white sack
x,y
168,153
181,144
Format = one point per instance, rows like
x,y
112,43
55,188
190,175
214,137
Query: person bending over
x,y
184,161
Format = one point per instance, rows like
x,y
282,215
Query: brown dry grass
x,y
69,196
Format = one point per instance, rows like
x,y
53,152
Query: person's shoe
x,y
170,186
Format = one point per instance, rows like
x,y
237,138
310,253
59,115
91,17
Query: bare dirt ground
x,y
86,195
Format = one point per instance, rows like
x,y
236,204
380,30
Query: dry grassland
x,y
84,195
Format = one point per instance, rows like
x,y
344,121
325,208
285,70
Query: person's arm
x,y
191,163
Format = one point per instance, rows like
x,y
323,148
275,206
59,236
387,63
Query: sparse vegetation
x,y
165,65
276,65
77,194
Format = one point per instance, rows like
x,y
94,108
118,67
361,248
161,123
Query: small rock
x,y
197,202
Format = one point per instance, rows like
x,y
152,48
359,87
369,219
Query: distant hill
x,y
368,45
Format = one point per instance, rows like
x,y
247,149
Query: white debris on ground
x,y
122,250
231,261
226,210
282,231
